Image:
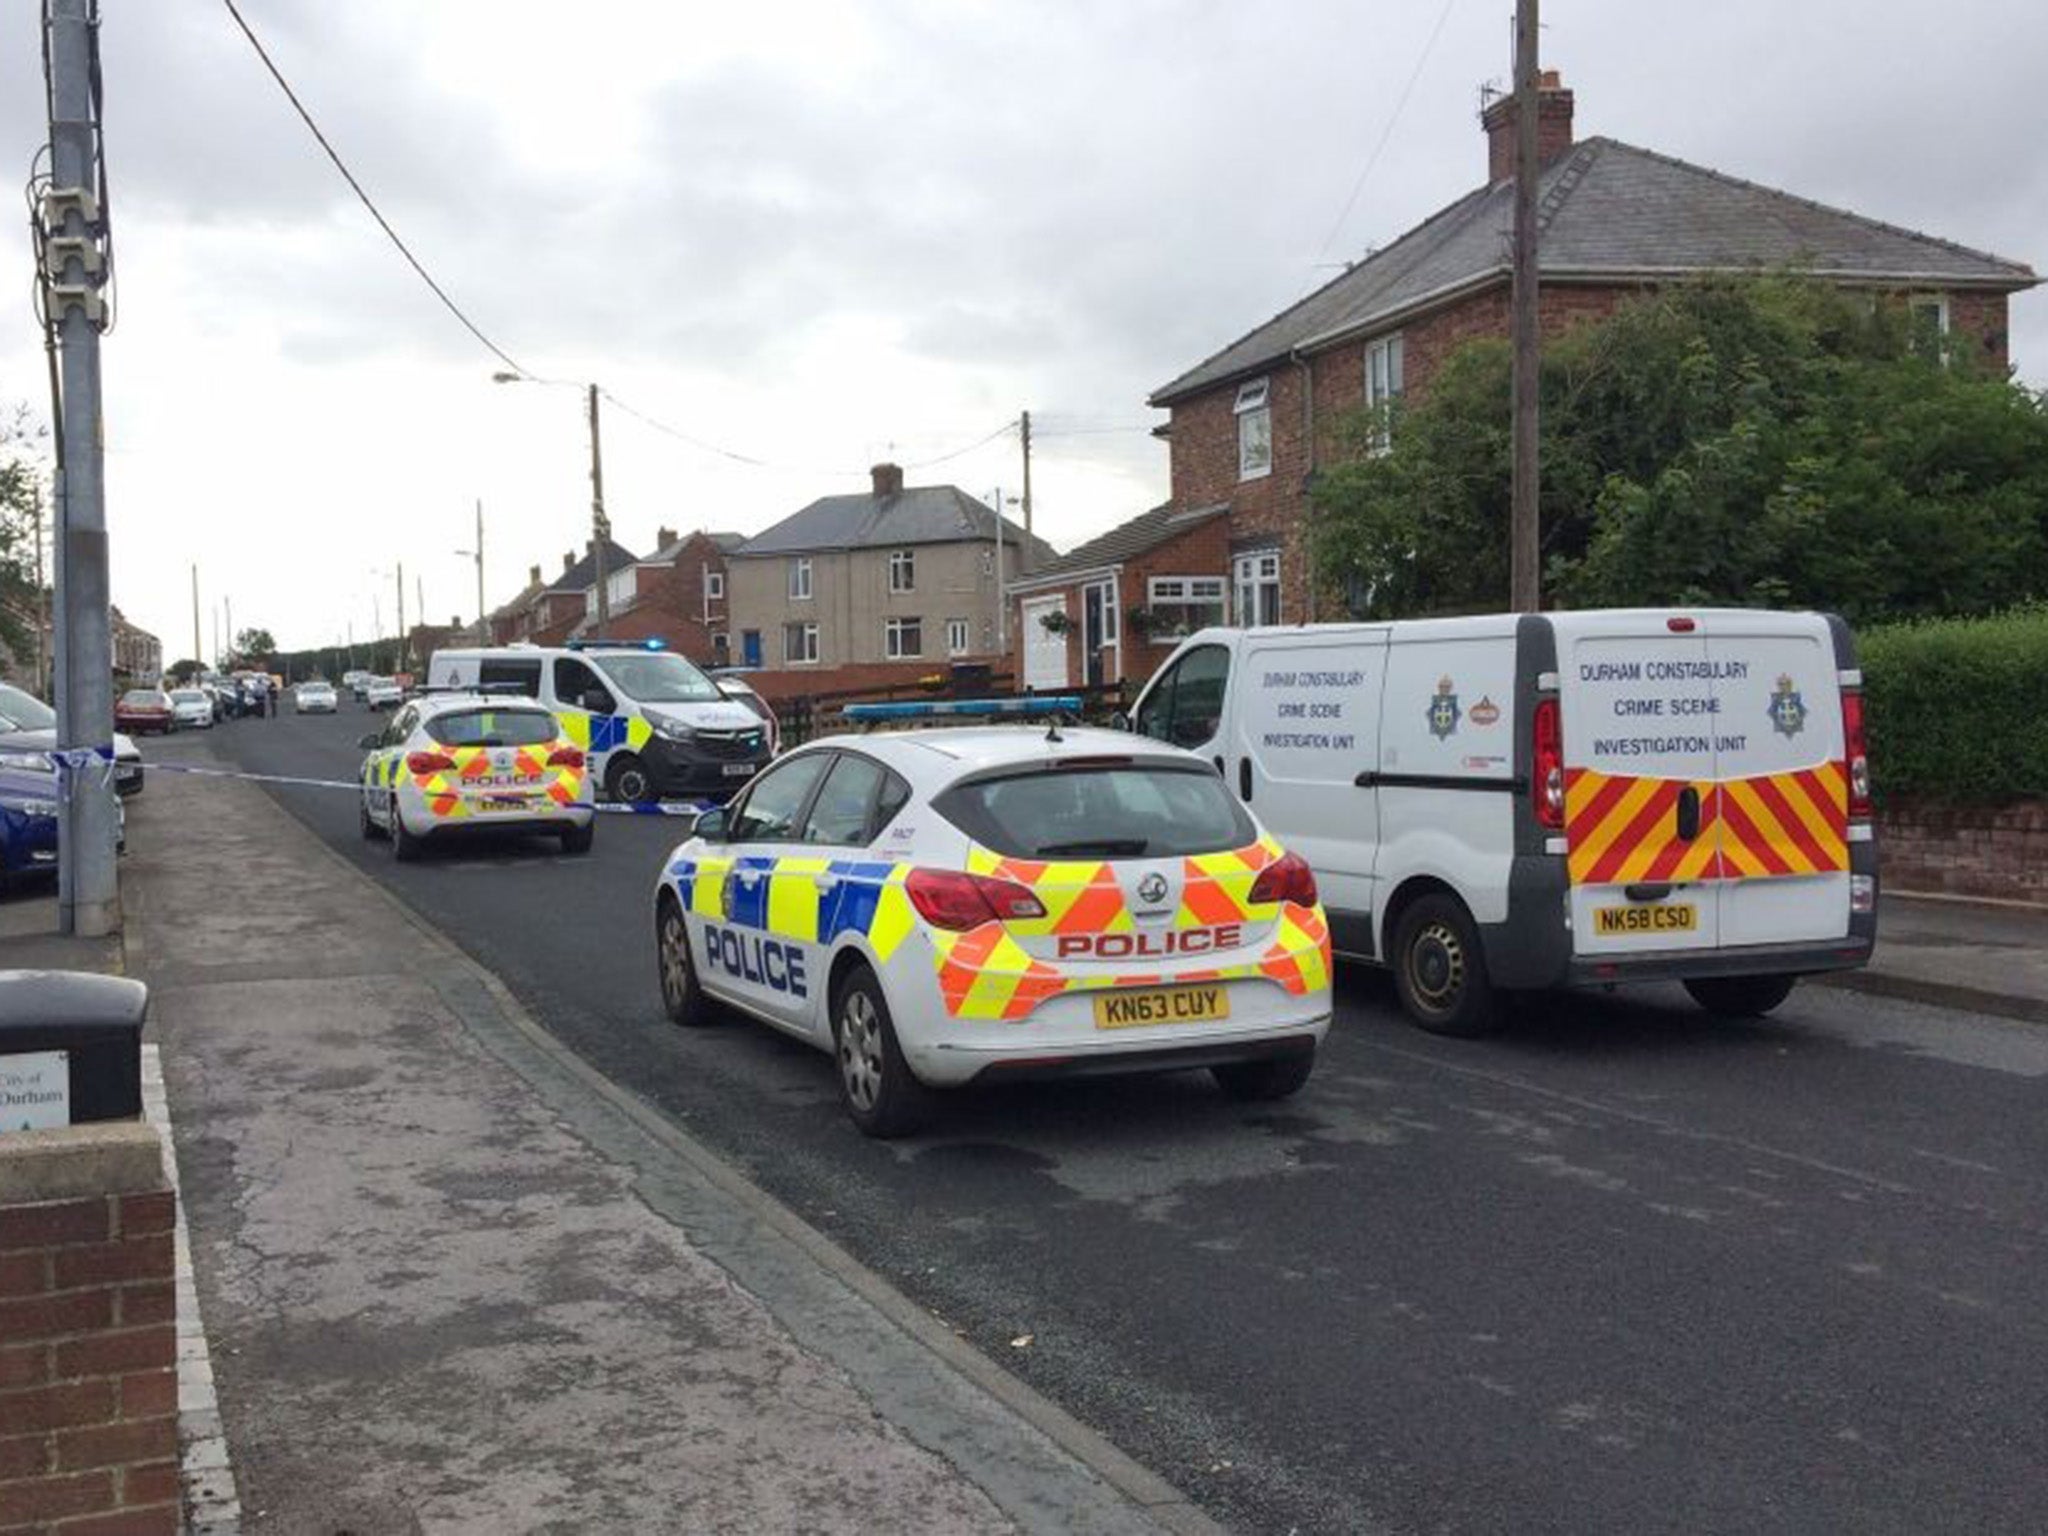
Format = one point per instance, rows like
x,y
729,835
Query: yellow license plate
x,y
1664,917
1161,1005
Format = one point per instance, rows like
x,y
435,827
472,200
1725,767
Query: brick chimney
x,y
888,479
663,537
1553,127
568,561
533,575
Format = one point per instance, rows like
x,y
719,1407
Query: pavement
x,y
454,1278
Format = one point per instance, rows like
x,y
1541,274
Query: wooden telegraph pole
x,y
1524,583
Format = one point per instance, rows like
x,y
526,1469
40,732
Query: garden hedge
x,y
1957,709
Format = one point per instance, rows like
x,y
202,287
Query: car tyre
x,y
1255,1082
371,831
579,839
407,847
628,781
1740,997
1440,969
682,999
881,1094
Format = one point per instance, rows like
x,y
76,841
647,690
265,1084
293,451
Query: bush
x,y
1957,709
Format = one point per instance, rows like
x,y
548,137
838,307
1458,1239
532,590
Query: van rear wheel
x,y
1740,997
1440,969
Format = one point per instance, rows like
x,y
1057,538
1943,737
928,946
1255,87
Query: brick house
x,y
1121,601
567,606
894,574
678,594
1250,424
513,620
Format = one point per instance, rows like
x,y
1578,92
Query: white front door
x,y
1045,653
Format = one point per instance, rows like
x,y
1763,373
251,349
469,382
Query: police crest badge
x,y
1444,713
1788,710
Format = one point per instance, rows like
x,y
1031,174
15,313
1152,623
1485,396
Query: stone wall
x,y
1966,850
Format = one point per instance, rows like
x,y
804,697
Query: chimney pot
x,y
663,537
1553,127
533,575
888,479
568,561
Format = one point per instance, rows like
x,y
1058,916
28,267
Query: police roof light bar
x,y
1056,705
599,643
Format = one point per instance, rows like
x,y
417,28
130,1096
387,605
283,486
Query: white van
x,y
650,723
1517,802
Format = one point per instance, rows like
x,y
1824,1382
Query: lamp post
x,y
483,632
600,525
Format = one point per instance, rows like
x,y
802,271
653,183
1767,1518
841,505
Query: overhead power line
x,y
357,187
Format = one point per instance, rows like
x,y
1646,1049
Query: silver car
x,y
314,699
192,708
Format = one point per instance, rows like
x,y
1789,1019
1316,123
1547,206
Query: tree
x,y
255,642
24,485
1759,442
184,671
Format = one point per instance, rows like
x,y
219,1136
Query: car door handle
x,y
1689,813
825,882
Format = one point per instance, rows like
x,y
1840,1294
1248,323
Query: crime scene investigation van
x,y
1518,802
648,721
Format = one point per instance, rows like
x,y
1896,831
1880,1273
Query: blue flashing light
x,y
599,643
939,709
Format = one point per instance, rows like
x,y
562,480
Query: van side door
x,y
587,709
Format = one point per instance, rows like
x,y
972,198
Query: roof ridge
x,y
1349,272
1814,203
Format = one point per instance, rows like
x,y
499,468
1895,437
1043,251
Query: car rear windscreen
x,y
492,728
1127,811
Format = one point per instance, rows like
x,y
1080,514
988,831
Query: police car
x,y
941,906
451,764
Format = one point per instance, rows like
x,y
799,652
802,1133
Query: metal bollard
x,y
70,1048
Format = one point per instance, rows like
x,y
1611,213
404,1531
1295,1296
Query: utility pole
x,y
88,887
197,654
1002,601
600,527
404,647
228,608
483,632
1025,561
1524,547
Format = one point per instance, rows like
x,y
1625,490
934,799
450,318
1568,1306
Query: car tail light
x,y
1856,756
428,762
1287,878
1546,765
566,757
956,901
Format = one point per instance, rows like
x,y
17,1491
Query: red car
x,y
144,709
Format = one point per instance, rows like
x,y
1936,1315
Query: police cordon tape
x,y
657,808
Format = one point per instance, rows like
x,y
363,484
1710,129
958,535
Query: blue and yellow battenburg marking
x,y
598,734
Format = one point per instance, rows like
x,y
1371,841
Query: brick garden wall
x,y
88,1349
1967,850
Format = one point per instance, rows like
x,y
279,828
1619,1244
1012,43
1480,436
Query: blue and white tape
x,y
658,808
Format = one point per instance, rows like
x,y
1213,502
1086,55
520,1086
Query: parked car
x,y
383,693
28,816
28,724
145,709
193,708
314,698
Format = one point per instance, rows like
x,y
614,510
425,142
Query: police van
x,y
649,722
1518,802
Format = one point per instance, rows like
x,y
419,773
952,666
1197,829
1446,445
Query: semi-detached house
x,y
1250,424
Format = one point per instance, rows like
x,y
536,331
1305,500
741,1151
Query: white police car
x,y
941,906
451,764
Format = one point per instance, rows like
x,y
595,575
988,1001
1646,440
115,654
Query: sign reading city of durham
x,y
35,1091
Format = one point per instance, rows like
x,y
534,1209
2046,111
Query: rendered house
x,y
1251,424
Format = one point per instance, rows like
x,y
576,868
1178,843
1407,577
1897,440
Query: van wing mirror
x,y
710,825
371,742
1119,721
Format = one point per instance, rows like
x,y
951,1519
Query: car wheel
x,y
628,781
1440,969
579,839
403,843
881,1095
1250,1082
371,831
1740,997
681,998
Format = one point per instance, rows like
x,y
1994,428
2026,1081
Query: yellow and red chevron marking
x,y
1621,829
1217,887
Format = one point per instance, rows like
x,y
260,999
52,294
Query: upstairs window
x,y
902,570
800,579
1927,314
1254,431
1383,385
714,586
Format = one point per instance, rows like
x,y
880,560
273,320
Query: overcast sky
x,y
821,234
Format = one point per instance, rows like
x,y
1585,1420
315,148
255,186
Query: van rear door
x,y
1639,711
1784,788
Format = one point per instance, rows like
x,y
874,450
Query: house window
x,y
1254,431
1256,580
902,570
800,579
1383,387
799,642
903,638
1180,605
958,638
714,586
1927,314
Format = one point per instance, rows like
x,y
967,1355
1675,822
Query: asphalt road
x,y
1621,1268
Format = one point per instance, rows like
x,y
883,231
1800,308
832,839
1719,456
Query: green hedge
x,y
1957,709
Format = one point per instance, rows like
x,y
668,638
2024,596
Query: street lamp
x,y
600,525
483,632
